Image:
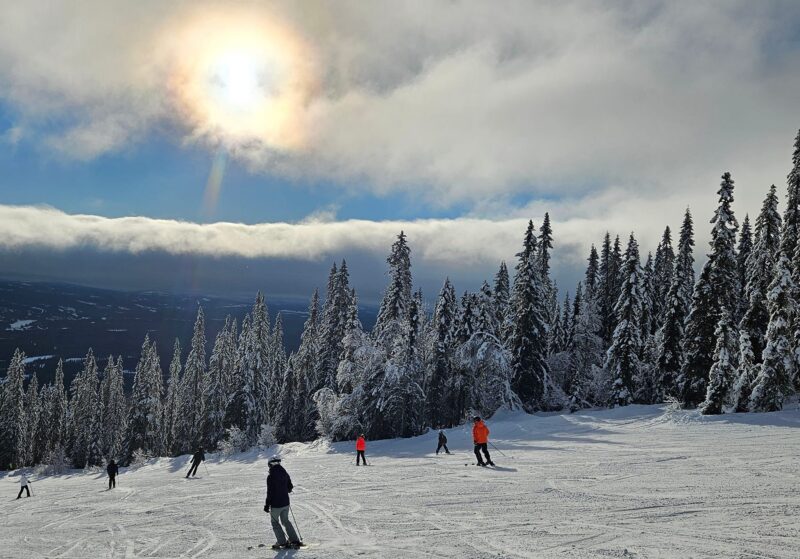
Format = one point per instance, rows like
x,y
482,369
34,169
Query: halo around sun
x,y
240,79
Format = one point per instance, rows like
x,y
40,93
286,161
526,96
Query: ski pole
x,y
30,487
296,525
206,467
498,450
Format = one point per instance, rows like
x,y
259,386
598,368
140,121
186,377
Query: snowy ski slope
x,y
635,482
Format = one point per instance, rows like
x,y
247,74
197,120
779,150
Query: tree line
x,y
634,330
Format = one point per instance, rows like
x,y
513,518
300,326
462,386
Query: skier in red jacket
x,y
361,447
480,436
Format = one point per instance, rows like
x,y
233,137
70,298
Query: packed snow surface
x,y
640,481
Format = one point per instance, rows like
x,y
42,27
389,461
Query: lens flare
x,y
240,79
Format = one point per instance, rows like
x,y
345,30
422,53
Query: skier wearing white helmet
x,y
279,485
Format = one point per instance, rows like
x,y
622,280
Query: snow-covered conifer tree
x,y
190,417
759,272
723,371
662,276
58,411
670,338
172,403
86,443
12,415
440,368
622,363
502,301
115,412
332,324
743,252
774,381
528,339
715,292
31,424
145,416
216,391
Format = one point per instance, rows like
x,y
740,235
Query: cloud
x,y
454,102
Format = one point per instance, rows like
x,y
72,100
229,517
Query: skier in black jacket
x,y
279,485
112,470
198,457
442,443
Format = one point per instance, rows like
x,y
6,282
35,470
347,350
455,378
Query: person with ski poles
x,y
279,485
198,457
442,443
112,470
361,448
480,436
23,486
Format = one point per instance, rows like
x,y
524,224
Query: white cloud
x,y
455,101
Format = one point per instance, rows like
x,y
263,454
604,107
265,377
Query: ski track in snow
x,y
639,482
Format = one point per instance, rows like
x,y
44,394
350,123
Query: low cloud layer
x,y
456,101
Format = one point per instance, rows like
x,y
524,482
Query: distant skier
x,y
112,470
279,485
442,443
361,448
198,457
480,436
23,485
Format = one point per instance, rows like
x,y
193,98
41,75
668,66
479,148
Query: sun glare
x,y
238,80
242,78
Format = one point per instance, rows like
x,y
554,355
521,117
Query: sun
x,y
240,79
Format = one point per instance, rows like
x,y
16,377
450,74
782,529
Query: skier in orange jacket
x,y
361,447
480,436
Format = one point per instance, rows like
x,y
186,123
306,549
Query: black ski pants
x,y
193,469
360,456
442,446
482,447
112,481
23,488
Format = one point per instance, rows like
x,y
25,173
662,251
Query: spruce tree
x,y
441,366
669,350
791,217
774,381
397,298
333,320
193,386
85,416
502,301
528,340
216,392
58,411
663,266
242,410
12,415
114,418
608,292
172,404
591,278
32,411
743,252
759,271
145,416
622,361
585,353
649,317
715,293
723,371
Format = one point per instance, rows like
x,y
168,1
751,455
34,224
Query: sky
x,y
225,147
